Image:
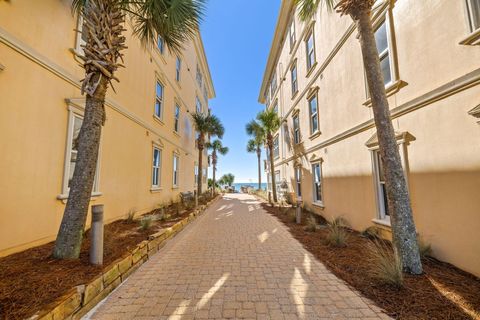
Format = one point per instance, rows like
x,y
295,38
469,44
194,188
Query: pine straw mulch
x,y
442,292
30,280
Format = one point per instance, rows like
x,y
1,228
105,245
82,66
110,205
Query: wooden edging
x,y
83,298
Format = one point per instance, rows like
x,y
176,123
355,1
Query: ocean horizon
x,y
238,185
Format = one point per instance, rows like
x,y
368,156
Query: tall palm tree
x,y
403,226
104,27
228,179
206,125
217,148
254,129
269,123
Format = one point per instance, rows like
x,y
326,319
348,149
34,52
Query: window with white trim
x,y
296,129
275,107
382,201
310,46
82,35
176,169
176,120
277,181
160,44
199,77
273,84
156,167
382,38
198,105
276,147
294,80
158,100
74,125
313,109
291,34
298,180
196,173
317,183
178,69
473,9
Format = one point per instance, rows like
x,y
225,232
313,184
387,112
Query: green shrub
x,y
146,222
130,215
337,236
371,232
386,265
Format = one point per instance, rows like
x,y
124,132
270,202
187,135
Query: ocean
x,y
238,185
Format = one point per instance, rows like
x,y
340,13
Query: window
x,y
291,34
317,183
175,170
199,76
273,84
178,69
298,180
205,94
277,181
74,125
382,40
196,173
158,100
267,96
381,187
275,108
276,150
205,175
293,73
313,107
296,129
310,44
157,160
160,44
198,105
176,120
473,8
81,36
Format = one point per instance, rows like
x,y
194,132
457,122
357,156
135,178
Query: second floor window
x,y
310,44
199,76
273,85
275,108
381,38
158,100
178,69
291,34
296,129
473,7
176,120
198,105
276,147
160,44
313,108
293,73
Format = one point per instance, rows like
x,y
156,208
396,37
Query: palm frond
x,y
309,7
208,124
269,121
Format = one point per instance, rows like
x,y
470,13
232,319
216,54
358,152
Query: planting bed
x,y
32,281
442,292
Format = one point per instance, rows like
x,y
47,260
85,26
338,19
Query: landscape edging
x,y
83,298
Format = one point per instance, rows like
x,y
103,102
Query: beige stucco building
x,y
326,149
147,152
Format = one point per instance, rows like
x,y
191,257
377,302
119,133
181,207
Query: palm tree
x,y
403,226
217,148
269,123
104,27
254,129
228,179
206,125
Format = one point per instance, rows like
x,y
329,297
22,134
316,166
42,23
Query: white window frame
x,y
276,147
198,105
296,129
294,78
298,181
312,52
470,15
195,173
313,115
176,118
158,167
273,83
292,37
79,40
178,69
388,51
319,202
159,100
160,44
199,77
278,179
176,170
73,113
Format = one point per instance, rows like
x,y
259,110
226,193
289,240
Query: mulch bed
x,y
32,279
442,292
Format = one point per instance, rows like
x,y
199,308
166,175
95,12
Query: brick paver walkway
x,y
235,261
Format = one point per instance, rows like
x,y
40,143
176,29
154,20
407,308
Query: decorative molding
x,y
391,89
401,137
473,39
475,112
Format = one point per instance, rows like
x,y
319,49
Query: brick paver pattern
x,y
235,261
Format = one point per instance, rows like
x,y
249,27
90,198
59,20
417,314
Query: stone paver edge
x,y
83,298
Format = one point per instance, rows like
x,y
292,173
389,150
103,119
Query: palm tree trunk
x,y
200,168
259,155
403,227
70,234
214,167
272,168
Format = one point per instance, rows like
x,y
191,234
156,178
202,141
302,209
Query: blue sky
x,y
237,39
